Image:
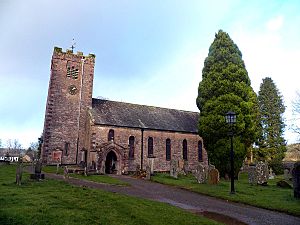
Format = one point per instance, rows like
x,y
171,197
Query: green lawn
x,y
96,178
270,197
55,202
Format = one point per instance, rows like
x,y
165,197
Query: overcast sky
x,y
147,52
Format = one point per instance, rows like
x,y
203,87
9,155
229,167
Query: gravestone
x,y
296,180
148,172
286,174
271,174
201,173
19,173
57,168
252,177
37,171
213,176
174,168
262,173
66,173
151,163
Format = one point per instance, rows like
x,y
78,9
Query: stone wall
x,y
99,135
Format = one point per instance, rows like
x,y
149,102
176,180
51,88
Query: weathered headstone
x,y
213,176
262,173
174,168
296,180
201,173
151,163
85,171
271,174
252,177
19,174
286,174
37,172
66,173
57,168
148,172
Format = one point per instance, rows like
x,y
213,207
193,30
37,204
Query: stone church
x,y
111,136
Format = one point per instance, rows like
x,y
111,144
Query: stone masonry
x,y
76,127
65,116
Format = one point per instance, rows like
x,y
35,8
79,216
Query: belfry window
x,y
131,147
200,158
168,149
72,72
111,135
184,150
150,146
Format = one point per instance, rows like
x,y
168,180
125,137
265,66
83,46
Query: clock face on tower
x,y
72,89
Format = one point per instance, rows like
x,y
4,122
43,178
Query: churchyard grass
x,y
96,178
269,197
56,202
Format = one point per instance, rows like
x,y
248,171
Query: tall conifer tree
x,y
271,142
225,86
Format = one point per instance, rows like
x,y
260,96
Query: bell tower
x,y
69,97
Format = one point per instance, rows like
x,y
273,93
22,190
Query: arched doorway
x,y
111,163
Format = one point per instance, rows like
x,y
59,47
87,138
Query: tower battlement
x,y
59,53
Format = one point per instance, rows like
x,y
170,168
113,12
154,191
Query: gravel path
x,y
201,204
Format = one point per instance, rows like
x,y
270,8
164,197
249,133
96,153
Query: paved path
x,y
190,201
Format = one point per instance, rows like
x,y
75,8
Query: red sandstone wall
x,y
100,135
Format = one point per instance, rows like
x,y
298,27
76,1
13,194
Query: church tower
x,y
69,97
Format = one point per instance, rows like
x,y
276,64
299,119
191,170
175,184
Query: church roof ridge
x,y
159,107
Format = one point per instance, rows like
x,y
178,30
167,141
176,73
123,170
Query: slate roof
x,y
106,112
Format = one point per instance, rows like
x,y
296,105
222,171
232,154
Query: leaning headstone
x,y
201,173
262,173
174,168
296,180
148,172
213,176
19,174
252,177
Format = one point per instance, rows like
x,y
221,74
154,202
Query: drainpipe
x,y
142,148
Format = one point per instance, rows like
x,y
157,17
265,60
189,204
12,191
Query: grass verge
x,y
269,197
96,178
55,202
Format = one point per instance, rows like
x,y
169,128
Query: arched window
x,y
150,146
131,147
184,150
111,135
200,151
168,149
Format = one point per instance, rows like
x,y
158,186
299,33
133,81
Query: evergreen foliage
x,y
225,86
272,144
